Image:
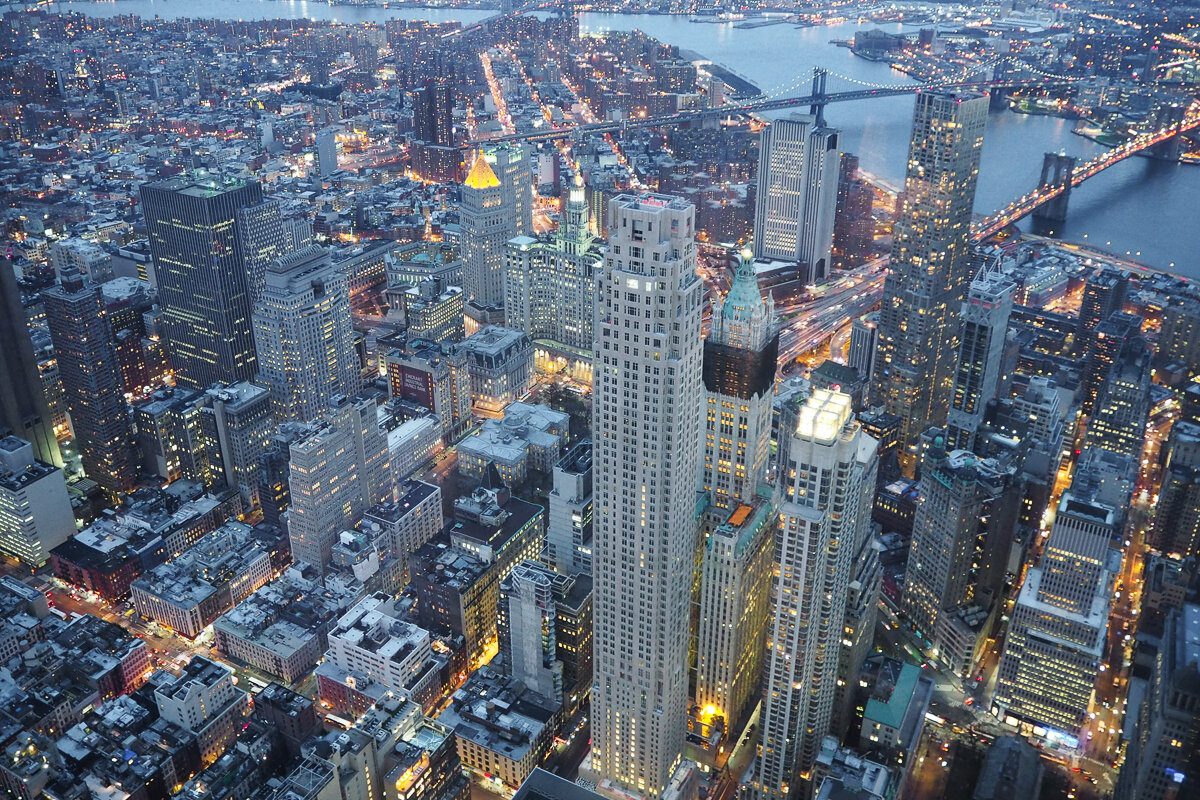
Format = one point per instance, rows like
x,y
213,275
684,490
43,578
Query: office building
x,y
1118,421
1012,767
1165,742
173,440
488,220
87,362
265,236
241,423
798,166
895,697
24,411
88,258
35,511
961,534
549,284
647,422
854,225
533,601
325,152
864,344
1179,338
433,311
1057,630
984,324
302,332
569,513
204,700
200,269
1104,294
434,377
740,357
735,591
499,365
931,262
411,520
337,469
510,162
826,463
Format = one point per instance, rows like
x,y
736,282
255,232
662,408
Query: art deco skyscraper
x,y
824,463
87,361
265,237
646,423
302,331
798,165
23,408
985,316
203,284
931,264
488,221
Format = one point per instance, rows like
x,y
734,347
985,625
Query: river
x,y
1140,208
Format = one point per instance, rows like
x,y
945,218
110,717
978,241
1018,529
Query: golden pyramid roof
x,y
481,175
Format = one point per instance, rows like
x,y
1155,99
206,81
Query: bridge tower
x,y
998,97
1057,170
817,109
1165,116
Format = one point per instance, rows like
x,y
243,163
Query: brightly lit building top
x,y
824,415
481,176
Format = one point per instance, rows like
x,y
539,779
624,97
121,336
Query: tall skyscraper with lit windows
x,y
647,438
824,463
488,220
931,264
798,164
24,411
204,287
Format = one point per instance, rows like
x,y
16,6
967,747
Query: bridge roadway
x,y
1026,204
771,104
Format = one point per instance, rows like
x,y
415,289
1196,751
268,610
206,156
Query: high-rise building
x,y
549,282
931,263
740,356
336,470
734,607
864,344
984,324
510,162
433,113
961,532
1057,629
569,520
240,422
203,284
798,165
302,333
1118,421
92,261
1165,744
87,361
1176,527
24,411
1104,294
265,237
35,511
646,455
1179,338
1106,342
853,226
488,220
825,461
325,145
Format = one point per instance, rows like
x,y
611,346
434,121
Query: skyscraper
x,y
35,510
325,145
23,408
853,227
488,221
203,285
302,331
740,356
931,264
338,468
824,463
569,518
510,162
646,422
265,237
1118,421
87,362
798,165
1056,634
549,282
985,315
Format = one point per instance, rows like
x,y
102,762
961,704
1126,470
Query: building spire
x,y
743,318
481,176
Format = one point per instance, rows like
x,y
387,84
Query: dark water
x,y
1141,208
